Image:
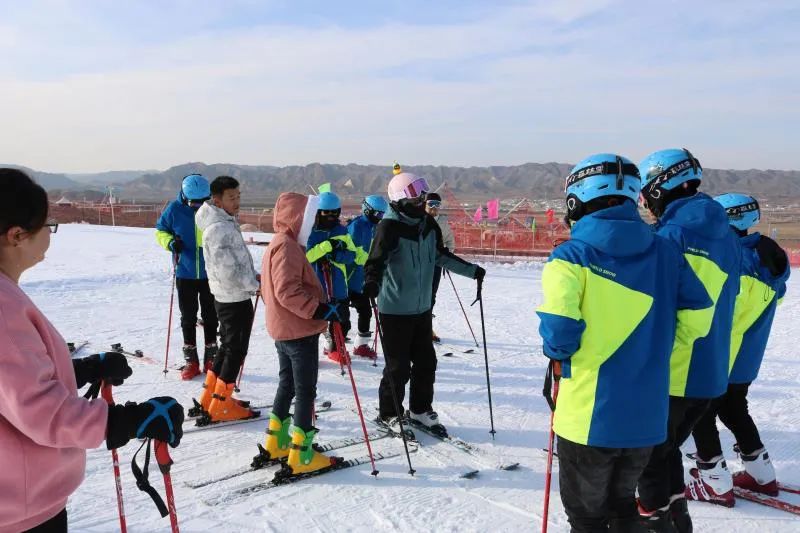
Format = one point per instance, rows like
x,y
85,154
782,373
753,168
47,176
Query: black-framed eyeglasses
x,y
52,226
434,204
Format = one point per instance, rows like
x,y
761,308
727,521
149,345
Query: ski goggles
x,y
416,188
198,203
374,213
434,204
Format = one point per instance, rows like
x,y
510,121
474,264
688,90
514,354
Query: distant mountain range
x,y
264,183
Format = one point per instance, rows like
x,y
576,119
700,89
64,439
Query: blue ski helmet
x,y
743,210
603,175
375,202
667,169
329,202
195,187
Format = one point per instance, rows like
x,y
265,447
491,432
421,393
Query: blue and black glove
x,y
158,418
332,312
176,245
111,367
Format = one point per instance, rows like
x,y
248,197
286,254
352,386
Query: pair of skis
x,y
776,502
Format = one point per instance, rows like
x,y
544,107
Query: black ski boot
x,y
680,514
208,356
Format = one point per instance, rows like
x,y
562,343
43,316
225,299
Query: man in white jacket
x,y
433,204
233,281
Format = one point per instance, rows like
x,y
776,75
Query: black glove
x,y
332,312
480,272
772,256
176,245
106,366
371,289
338,245
158,418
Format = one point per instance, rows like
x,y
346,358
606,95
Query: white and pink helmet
x,y
407,185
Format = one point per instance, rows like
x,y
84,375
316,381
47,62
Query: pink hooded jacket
x,y
45,427
290,288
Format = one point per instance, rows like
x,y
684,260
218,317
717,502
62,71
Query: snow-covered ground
x,y
112,285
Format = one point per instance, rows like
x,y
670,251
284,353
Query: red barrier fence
x,y
516,236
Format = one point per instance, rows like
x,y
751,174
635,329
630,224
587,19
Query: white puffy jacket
x,y
231,275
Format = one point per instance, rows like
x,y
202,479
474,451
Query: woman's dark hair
x,y
433,196
222,184
23,202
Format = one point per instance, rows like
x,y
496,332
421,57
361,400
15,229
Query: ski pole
x,y
164,463
252,323
338,338
326,273
108,397
462,308
379,329
553,375
171,305
479,299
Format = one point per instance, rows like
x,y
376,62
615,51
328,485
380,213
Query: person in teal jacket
x,y
331,251
612,295
177,232
399,272
362,231
765,269
699,362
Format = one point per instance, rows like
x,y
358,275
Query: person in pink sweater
x,y
45,427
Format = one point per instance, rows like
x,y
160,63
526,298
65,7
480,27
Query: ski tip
x,y
512,466
470,475
469,350
448,354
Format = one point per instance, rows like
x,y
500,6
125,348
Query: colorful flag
x,y
325,187
478,216
493,209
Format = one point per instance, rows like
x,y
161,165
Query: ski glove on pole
x,y
480,272
176,245
330,312
106,366
158,418
370,289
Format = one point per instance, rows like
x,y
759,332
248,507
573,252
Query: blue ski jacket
x,y
177,220
319,250
612,296
700,355
760,294
362,231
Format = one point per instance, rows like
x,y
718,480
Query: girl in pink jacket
x,y
45,427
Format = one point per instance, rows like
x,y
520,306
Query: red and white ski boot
x,y
363,348
711,482
758,474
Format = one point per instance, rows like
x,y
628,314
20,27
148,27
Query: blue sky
x,y
101,85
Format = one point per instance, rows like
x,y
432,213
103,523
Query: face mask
x,y
327,222
413,207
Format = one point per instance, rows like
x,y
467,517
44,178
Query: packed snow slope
x,y
112,285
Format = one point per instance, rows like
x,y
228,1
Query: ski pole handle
x,y
164,464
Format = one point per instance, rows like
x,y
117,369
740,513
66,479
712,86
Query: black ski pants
x,y
192,292
236,320
598,486
57,524
364,310
297,378
731,408
409,355
663,475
